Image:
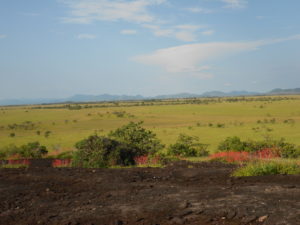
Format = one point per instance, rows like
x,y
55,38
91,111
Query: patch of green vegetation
x,y
31,150
120,148
284,149
188,146
211,119
270,167
14,166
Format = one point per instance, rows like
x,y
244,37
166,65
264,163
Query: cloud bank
x,y
135,11
193,58
88,11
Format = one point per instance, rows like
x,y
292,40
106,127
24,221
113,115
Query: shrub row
x,y
259,168
32,150
280,147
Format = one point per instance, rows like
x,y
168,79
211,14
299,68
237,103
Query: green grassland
x,y
211,119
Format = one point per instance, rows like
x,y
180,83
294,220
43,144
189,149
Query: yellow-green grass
x,y
269,167
13,166
167,121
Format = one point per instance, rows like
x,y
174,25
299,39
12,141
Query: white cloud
x,y
185,36
193,58
228,84
85,36
163,32
134,11
235,4
2,36
182,32
199,10
208,32
189,27
188,58
128,32
88,11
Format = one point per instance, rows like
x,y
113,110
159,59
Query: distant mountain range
x,y
108,97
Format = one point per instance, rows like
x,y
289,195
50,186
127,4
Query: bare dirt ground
x,y
182,193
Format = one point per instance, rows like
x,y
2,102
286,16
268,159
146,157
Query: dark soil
x,y
182,193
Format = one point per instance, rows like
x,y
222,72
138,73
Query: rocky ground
x,y
181,193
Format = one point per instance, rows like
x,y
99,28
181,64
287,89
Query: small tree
x,y
47,133
121,147
140,140
33,150
232,144
99,151
188,146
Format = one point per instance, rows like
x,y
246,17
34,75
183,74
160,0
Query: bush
x,y
188,146
121,147
2,155
148,160
30,150
8,151
280,147
65,155
33,150
47,133
260,168
231,157
141,141
100,152
232,144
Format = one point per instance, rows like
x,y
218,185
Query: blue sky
x,y
58,48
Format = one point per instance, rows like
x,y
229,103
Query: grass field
x,y
212,120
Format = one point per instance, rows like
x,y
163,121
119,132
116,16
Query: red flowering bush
x,y
231,156
61,162
267,153
146,160
18,162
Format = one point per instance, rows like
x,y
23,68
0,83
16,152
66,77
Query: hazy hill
x,y
284,91
108,97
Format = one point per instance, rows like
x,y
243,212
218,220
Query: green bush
x,y
2,155
188,146
100,152
285,149
268,168
65,155
121,147
33,150
8,151
30,150
140,140
232,144
14,166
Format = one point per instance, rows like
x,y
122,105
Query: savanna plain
x,y
197,161
60,126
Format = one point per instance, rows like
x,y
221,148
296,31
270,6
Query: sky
x,y
59,48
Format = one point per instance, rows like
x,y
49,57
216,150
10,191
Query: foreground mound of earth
x,y
181,193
